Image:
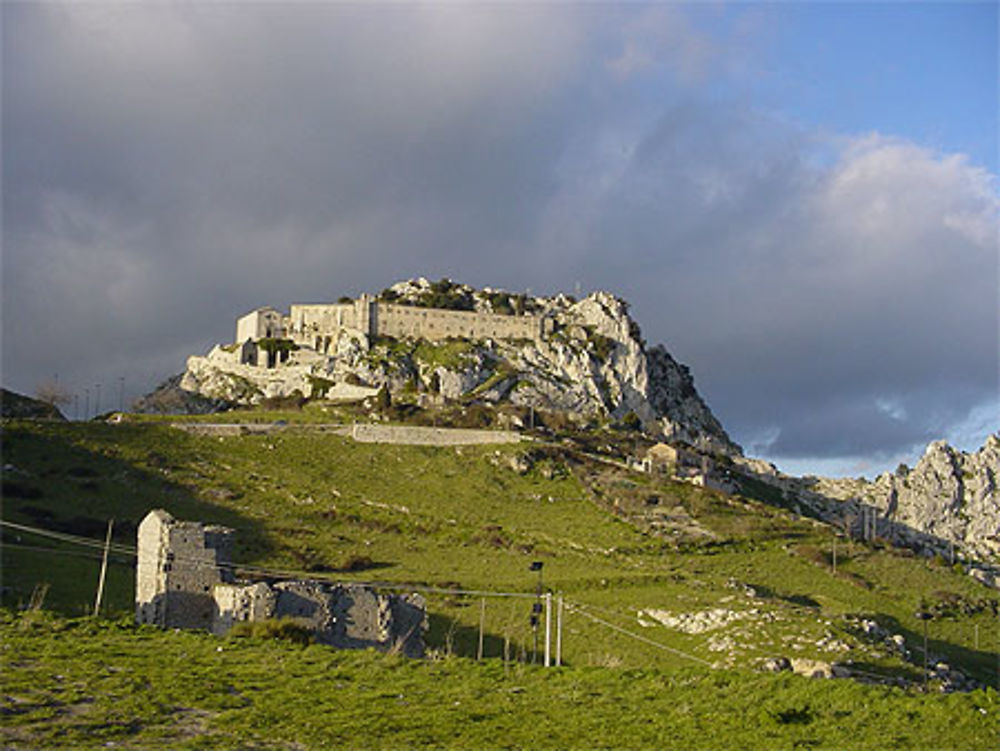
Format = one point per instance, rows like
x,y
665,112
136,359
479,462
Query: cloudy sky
x,y
799,200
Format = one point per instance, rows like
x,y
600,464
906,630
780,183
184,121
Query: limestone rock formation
x,y
947,504
949,495
170,398
588,360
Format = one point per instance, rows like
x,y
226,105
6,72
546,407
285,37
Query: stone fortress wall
x,y
317,325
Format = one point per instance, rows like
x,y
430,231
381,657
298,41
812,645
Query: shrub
x,y
293,401
282,629
319,386
631,421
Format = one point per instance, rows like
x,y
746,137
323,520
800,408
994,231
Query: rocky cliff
x,y
592,363
947,504
950,495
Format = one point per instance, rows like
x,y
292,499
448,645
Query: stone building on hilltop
x,y
317,326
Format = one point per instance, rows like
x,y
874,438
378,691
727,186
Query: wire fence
x,y
464,622
502,632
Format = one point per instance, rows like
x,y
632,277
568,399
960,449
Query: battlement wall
x,y
434,323
316,324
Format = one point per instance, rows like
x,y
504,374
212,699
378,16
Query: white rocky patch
x,y
694,623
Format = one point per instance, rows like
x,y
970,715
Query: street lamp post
x,y
536,608
924,616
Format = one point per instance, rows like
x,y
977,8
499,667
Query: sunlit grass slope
x,y
473,518
90,684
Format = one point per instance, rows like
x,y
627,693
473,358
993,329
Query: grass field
x,y
470,518
84,683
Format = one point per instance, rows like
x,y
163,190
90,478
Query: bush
x,y
631,421
282,629
319,386
293,401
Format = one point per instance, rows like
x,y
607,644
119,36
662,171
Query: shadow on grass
x,y
55,483
980,665
448,636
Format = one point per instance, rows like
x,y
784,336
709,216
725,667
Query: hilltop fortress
x,y
430,343
317,326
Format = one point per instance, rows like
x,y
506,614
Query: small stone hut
x,y
662,457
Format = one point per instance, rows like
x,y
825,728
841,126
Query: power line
x,y
578,609
53,551
68,538
131,551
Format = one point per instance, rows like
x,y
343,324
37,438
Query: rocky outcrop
x,y
16,406
949,495
590,363
947,504
169,398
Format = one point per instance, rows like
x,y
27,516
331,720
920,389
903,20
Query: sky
x,y
799,200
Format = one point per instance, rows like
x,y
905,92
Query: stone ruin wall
x,y
184,580
346,616
179,564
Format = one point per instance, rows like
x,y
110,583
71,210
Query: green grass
x,y
320,505
84,684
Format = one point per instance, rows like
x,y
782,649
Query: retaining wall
x,y
426,436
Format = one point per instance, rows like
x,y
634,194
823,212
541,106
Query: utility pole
x,y
548,629
482,627
104,570
559,621
97,400
924,616
536,608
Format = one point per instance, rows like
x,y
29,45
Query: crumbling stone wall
x,y
347,616
179,565
184,580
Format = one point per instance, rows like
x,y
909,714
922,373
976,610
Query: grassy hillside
x,y
85,683
622,548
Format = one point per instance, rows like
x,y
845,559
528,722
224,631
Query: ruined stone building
x,y
184,579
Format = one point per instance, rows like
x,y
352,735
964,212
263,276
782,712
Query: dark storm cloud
x,y
167,168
